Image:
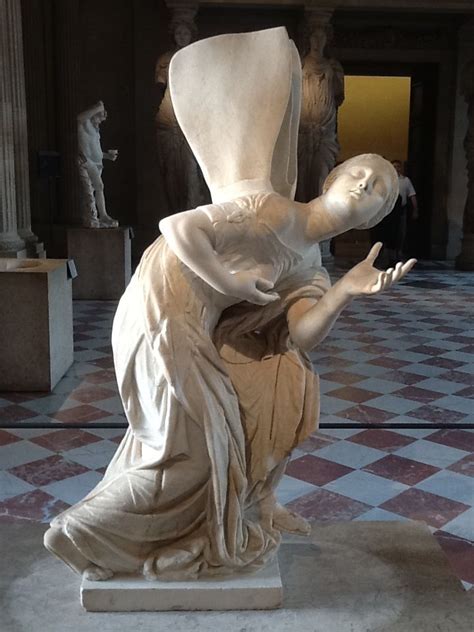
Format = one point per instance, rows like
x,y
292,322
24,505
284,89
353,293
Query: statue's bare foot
x,y
97,574
289,521
108,222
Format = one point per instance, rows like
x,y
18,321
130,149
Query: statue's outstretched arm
x,y
191,237
309,321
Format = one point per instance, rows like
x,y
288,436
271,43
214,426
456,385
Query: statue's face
x,y
318,40
182,35
358,195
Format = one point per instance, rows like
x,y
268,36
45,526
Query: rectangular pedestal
x,y
103,261
36,339
257,591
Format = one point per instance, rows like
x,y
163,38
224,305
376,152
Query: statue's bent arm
x,y
310,321
90,112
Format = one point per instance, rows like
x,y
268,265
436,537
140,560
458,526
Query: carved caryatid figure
x,y
184,185
210,337
322,94
90,161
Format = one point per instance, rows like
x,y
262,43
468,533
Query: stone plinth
x,y
103,261
256,591
355,576
36,339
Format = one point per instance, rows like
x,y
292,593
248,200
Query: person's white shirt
x,y
407,190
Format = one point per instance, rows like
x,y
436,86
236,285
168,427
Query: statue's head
x,y
99,118
183,28
318,39
360,192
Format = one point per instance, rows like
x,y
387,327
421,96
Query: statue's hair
x,y
378,163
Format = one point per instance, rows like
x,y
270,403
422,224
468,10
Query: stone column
x,y
20,132
11,244
68,51
465,260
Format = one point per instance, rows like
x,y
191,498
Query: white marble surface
x,y
250,591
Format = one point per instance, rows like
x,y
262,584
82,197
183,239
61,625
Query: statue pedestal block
x,y
103,261
254,591
36,339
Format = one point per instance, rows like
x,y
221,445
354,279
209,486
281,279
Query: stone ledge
x,y
254,591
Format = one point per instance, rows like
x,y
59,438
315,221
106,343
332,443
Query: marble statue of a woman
x,y
210,337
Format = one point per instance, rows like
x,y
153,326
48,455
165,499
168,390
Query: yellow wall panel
x,y
374,117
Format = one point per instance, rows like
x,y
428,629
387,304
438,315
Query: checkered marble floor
x,y
403,357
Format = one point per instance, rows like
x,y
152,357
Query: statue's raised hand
x,y
251,287
364,278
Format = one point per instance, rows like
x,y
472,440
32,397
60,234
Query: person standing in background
x,y
407,195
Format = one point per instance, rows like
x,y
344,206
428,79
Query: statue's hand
x,y
365,279
250,287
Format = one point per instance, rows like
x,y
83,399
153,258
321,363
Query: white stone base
x,y
257,591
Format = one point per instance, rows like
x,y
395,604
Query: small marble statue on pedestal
x,y
90,161
211,336
184,184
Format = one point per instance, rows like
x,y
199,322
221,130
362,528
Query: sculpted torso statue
x,y
90,161
210,337
322,94
184,185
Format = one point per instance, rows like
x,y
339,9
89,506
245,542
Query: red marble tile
x,y
397,468
83,326
389,363
381,439
466,392
7,437
458,376
62,440
427,350
353,394
100,377
467,340
368,339
366,414
20,398
50,470
403,377
119,438
37,506
436,414
312,469
460,554
420,505
343,377
89,394
315,442
103,363
418,394
443,363
80,414
375,349
467,349
464,466
325,506
445,329
15,413
461,439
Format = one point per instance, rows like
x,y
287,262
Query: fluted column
x,y
67,15
11,244
465,260
20,132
